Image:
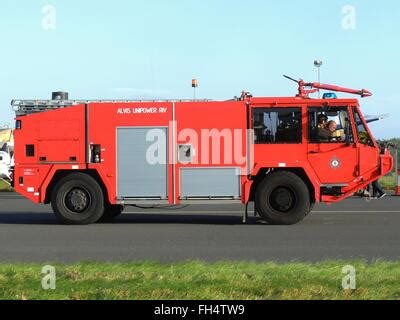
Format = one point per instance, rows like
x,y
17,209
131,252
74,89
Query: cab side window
x,y
329,125
362,132
277,125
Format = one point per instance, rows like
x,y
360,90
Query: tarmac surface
x,y
351,229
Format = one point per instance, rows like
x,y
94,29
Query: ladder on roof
x,y
24,107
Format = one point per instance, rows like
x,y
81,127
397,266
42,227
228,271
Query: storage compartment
x,y
139,174
210,183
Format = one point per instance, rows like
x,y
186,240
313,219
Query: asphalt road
x,y
351,229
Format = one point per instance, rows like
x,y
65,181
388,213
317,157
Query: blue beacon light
x,y
329,95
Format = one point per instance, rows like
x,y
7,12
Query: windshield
x,y
363,136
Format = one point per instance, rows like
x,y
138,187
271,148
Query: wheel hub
x,y
77,200
282,199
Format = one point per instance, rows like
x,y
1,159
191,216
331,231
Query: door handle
x,y
312,152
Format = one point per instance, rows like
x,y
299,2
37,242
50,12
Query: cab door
x,y
334,160
368,151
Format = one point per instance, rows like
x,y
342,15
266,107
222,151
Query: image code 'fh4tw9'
x,y
90,159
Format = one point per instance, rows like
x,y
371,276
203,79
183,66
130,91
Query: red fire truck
x,y
90,159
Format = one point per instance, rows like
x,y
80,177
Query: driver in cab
x,y
327,131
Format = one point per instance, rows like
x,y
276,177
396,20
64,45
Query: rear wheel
x,y
283,198
78,199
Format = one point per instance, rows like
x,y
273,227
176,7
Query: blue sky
x,y
152,49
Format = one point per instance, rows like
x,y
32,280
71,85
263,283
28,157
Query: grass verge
x,y
197,280
389,182
4,187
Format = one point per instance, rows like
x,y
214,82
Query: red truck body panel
x,y
61,140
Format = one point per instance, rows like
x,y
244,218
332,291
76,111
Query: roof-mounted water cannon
x,y
304,92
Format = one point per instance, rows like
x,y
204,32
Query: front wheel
x,y
111,212
282,198
78,199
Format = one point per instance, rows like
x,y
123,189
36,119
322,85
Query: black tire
x,y
282,198
111,212
312,206
78,199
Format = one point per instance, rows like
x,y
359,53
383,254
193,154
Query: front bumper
x,y
387,163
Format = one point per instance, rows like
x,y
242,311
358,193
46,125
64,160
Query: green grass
x,y
4,186
389,182
197,280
